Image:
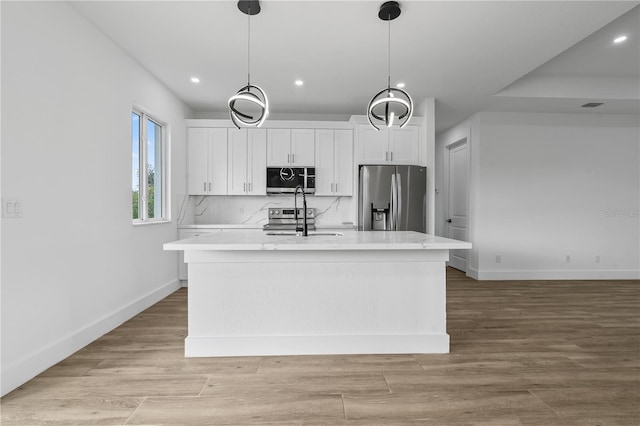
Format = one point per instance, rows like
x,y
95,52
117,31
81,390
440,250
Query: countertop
x,y
350,240
220,226
255,226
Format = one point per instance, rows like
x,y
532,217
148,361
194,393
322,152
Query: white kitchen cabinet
x,y
247,150
290,147
334,162
404,145
207,161
374,145
278,147
303,147
389,146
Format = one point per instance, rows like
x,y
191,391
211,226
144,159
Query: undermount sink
x,y
311,234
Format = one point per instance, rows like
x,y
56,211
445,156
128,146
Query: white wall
x,y
427,110
74,267
548,186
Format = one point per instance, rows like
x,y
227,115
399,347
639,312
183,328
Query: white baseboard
x,y
594,274
29,366
472,273
316,345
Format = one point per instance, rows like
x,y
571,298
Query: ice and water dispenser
x,y
379,217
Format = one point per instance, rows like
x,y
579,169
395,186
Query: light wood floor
x,y
522,353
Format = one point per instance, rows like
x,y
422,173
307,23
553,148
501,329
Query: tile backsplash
x,y
254,210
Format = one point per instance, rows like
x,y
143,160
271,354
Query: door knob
x,y
449,220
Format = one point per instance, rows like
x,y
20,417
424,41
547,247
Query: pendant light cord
x,y
249,47
389,75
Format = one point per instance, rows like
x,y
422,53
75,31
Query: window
x,y
148,157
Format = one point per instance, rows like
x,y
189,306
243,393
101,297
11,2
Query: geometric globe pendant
x,y
389,105
248,108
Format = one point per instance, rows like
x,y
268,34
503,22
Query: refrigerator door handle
x,y
365,204
398,199
392,213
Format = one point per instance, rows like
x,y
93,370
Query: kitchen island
x,y
359,292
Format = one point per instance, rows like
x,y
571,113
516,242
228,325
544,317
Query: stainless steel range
x,y
284,219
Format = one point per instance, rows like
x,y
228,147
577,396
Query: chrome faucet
x,y
304,228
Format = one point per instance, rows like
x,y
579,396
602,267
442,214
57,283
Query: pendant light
x,y
250,96
391,103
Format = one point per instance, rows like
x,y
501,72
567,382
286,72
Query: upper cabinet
x,y
404,145
290,147
334,162
247,151
389,146
227,161
207,161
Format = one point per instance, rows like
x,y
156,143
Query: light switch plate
x,y
11,208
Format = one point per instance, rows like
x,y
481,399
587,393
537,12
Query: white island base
x,y
361,293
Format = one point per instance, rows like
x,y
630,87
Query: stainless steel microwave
x,y
283,180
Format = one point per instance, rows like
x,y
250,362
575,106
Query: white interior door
x,y
458,201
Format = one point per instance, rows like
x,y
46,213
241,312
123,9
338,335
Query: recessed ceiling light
x,y
400,85
299,82
195,80
620,39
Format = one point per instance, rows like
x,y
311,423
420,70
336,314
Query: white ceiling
x,y
460,52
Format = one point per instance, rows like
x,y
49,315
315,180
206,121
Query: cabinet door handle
x,y
209,186
244,187
204,188
386,156
250,186
336,187
391,155
293,159
288,158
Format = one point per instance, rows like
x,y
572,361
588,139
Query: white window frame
x,y
142,167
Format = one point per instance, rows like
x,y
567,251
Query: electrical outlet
x,y
567,259
498,258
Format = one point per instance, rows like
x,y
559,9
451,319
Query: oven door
x,y
282,180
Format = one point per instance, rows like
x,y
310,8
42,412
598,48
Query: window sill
x,y
150,222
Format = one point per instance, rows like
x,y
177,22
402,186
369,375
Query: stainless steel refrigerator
x,y
392,198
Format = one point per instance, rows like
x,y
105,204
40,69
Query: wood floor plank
x,y
308,382
338,363
126,386
500,362
175,366
594,401
479,380
275,408
67,412
71,367
442,407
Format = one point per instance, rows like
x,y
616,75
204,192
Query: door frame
x,y
465,140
